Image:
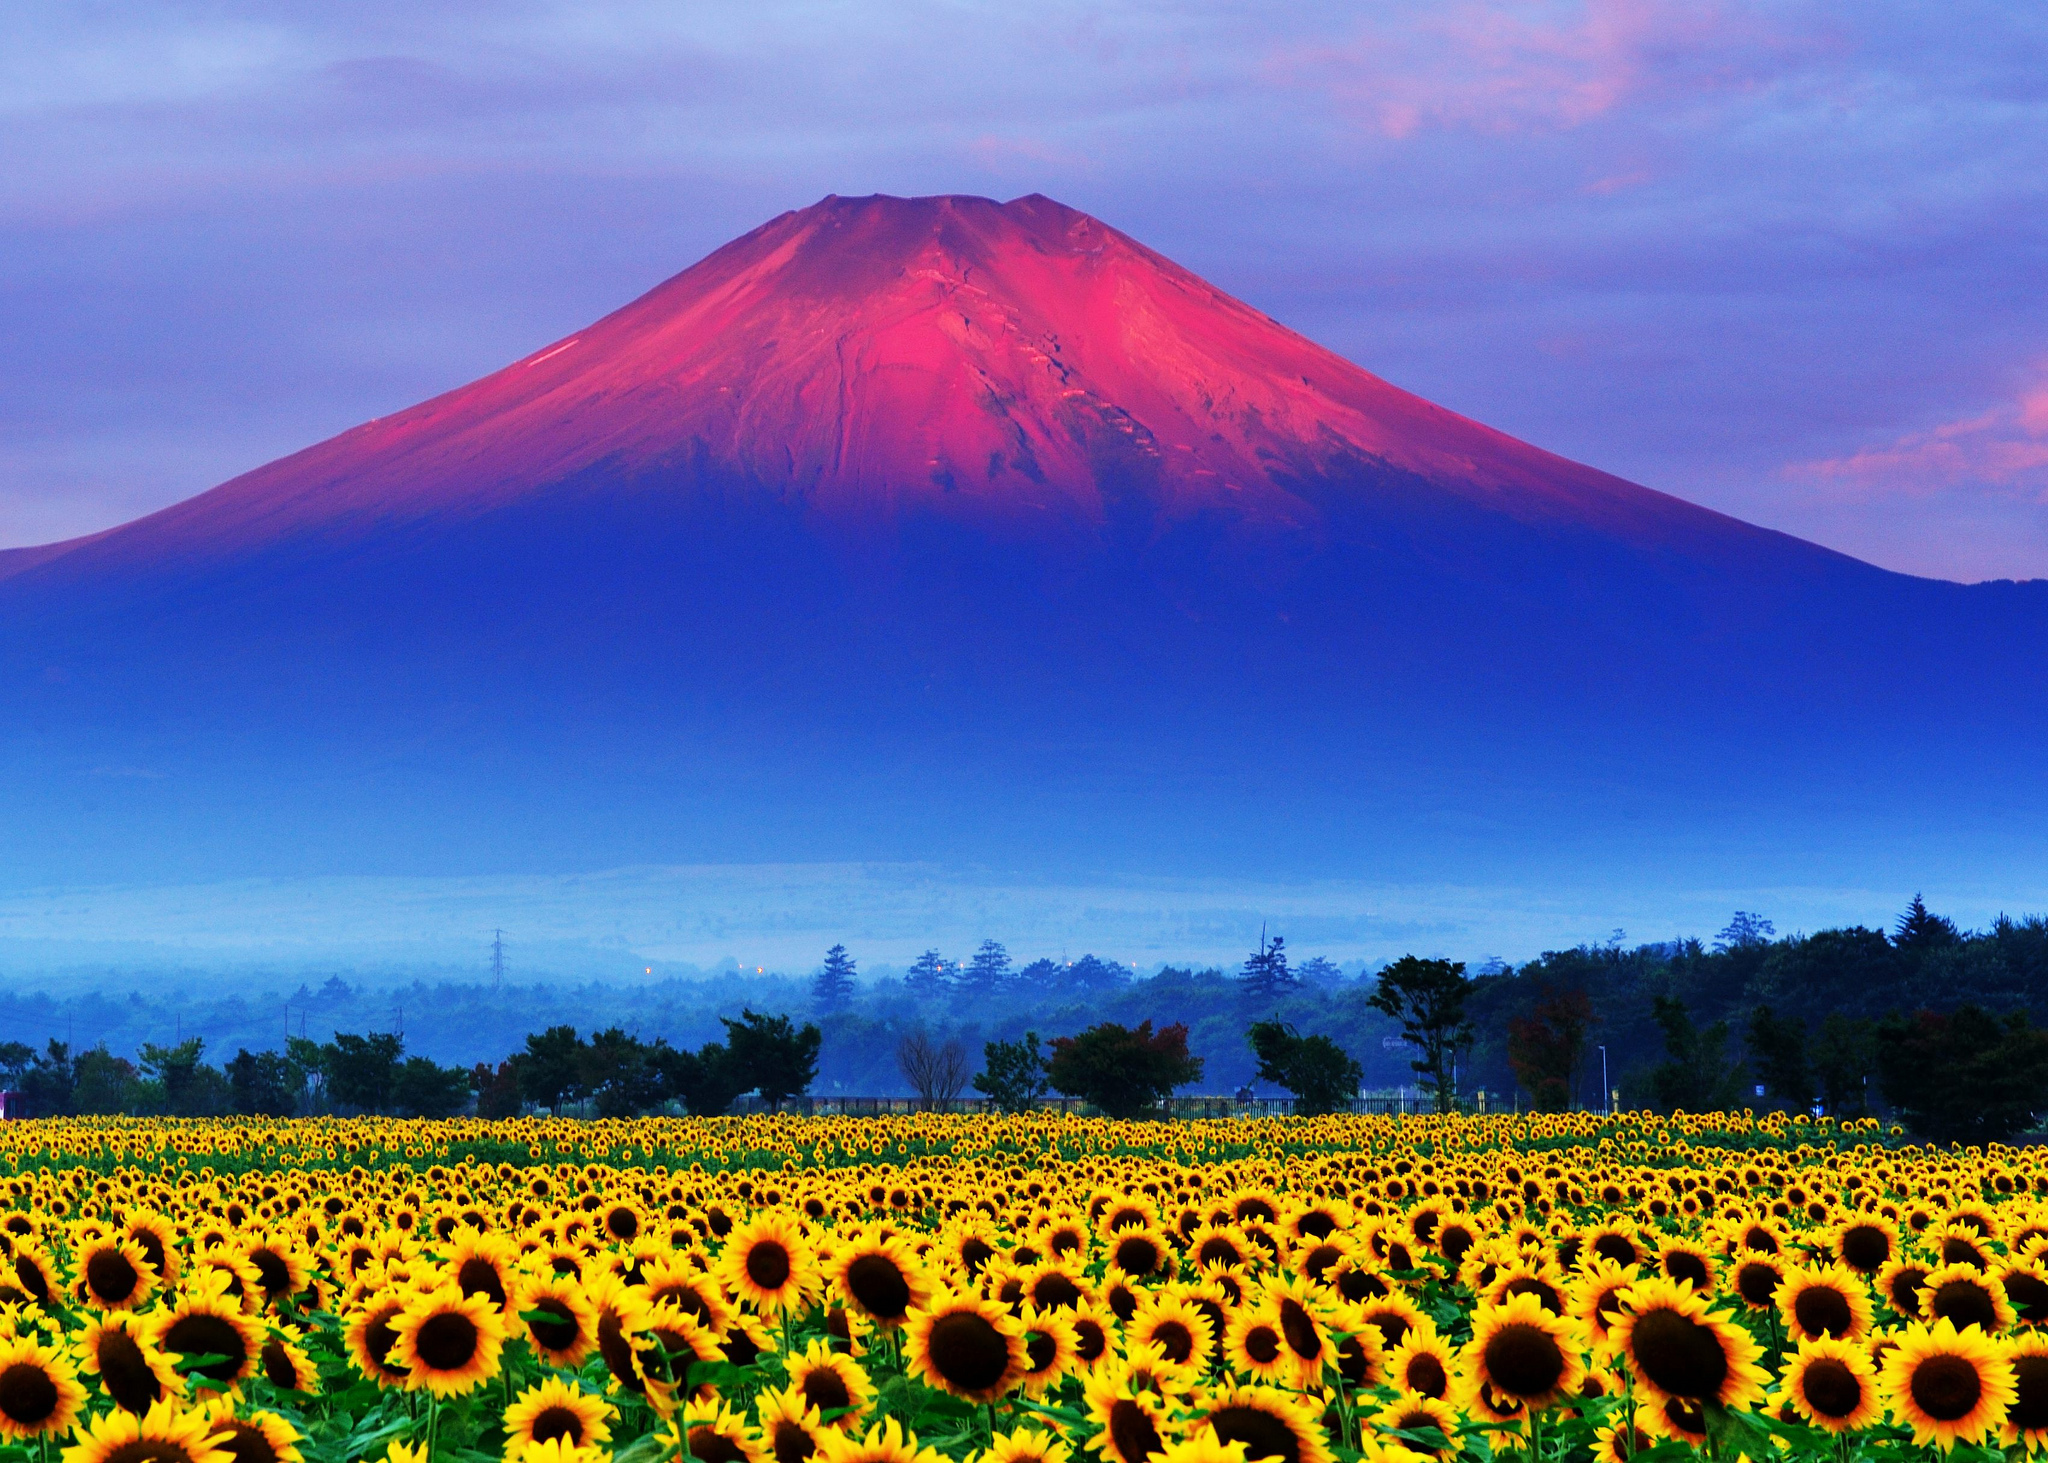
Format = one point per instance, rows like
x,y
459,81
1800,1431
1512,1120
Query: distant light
x,y
650,970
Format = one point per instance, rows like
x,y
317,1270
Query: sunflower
x,y
370,1336
767,1262
39,1391
1950,1386
619,1329
157,1238
1094,1326
556,1409
877,1277
1866,1243
1054,1285
559,1323
1140,1252
1302,1317
886,1442
1422,1363
1677,1348
481,1264
1025,1445
1823,1300
255,1437
1687,1263
35,1273
1174,1325
678,1280
1966,1296
1619,1441
1252,1345
1832,1384
116,1348
1131,1419
164,1434
1899,1283
835,1385
1596,1297
1520,1350
1048,1350
1412,1412
2026,1287
966,1346
1269,1422
284,1362
282,1268
113,1275
2026,1422
448,1342
205,1323
789,1427
1756,1279
669,1344
712,1432
1680,1419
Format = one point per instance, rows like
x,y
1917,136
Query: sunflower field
x,y
1016,1290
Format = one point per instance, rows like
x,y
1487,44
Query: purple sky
x,y
1787,260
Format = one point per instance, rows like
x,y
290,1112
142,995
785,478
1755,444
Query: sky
x,y
1785,260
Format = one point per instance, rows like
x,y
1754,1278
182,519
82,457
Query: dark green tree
x,y
551,1068
47,1084
1964,1077
1126,1072
926,978
264,1084
623,1075
988,973
187,1082
1012,1074
16,1057
422,1088
705,1080
771,1056
833,986
362,1069
1696,1075
1428,998
1777,1053
1320,1074
1843,1059
1920,931
103,1082
497,1088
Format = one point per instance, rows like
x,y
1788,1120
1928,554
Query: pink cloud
x,y
1520,67
2004,447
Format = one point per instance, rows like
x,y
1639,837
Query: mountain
x,y
950,528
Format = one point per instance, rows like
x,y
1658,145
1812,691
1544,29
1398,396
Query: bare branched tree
x,y
937,1074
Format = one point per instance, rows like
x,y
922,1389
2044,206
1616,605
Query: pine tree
x,y
1266,976
926,978
1920,930
832,987
989,971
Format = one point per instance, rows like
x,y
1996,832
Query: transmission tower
x,y
497,958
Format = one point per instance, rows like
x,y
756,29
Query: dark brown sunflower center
x,y
31,1277
976,1252
557,1422
1090,1340
278,1367
1136,1255
1958,1251
768,1264
201,1334
1685,1266
147,1450
1040,1351
740,1349
1830,1388
1393,1328
617,1352
2029,1296
1546,1295
879,1286
28,1395
1616,1247
271,1272
125,1374
1946,1388
446,1342
1262,1345
1821,1310
1301,1333
1055,1291
1678,1355
1964,1303
1426,1375
1524,1360
479,1276
247,1443
790,1443
715,1447
1420,1422
1131,1433
825,1390
1757,1283
2030,1385
1905,1290
1865,1247
622,1224
1174,1339
110,1277
1263,1434
556,1327
1317,1224
968,1351
152,1248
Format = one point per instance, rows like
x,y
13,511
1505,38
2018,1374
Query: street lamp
x,y
1605,1091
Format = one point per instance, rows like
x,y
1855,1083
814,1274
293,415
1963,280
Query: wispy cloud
x,y
2004,446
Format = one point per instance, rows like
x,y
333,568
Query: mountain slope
x,y
916,513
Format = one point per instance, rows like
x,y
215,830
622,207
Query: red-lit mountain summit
x,y
912,526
